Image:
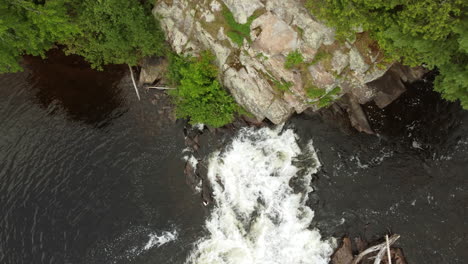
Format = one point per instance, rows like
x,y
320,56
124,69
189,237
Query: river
x,y
89,174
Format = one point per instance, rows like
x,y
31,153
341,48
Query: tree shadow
x,y
86,95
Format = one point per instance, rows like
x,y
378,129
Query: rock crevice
x,y
255,71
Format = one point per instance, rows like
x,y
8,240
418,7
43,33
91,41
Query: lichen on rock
x,y
252,66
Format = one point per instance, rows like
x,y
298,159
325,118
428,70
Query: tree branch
x,y
134,83
160,88
378,247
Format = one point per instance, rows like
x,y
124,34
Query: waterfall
x,y
260,186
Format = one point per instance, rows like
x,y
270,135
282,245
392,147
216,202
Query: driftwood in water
x,y
160,88
380,247
134,83
389,256
374,254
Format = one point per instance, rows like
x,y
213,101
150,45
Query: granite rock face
x,y
254,72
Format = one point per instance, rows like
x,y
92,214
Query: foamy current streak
x,y
261,184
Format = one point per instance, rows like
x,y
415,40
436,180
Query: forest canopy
x,y
424,32
102,31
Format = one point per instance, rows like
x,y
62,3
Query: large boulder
x,y
276,35
254,72
392,84
153,69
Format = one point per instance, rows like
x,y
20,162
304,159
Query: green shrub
x,y
321,55
335,91
321,97
200,96
282,85
293,59
324,102
430,32
235,31
176,63
314,92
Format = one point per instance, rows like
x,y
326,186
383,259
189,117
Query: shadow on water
x,y
410,178
84,94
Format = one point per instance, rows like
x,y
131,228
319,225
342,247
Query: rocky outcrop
x,y
153,69
253,70
390,86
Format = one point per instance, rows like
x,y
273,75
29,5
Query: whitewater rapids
x,y
260,186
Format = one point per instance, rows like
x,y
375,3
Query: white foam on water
x,y
258,218
156,240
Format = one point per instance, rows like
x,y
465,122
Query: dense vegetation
x,y
428,32
102,31
199,95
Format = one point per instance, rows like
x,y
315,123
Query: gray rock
x,y
252,71
356,115
344,254
339,61
256,95
209,17
392,84
242,9
356,61
276,36
152,69
215,6
322,78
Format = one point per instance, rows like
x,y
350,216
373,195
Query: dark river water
x,y
86,173
89,174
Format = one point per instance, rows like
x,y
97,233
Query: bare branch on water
x,y
379,248
134,83
388,250
160,88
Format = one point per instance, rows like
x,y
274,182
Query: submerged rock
x,y
344,254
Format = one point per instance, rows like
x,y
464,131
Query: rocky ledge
x,y
252,40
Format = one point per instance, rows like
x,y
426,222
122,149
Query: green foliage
x,y
452,82
430,32
200,96
235,31
324,102
335,91
261,56
320,97
28,27
314,92
115,31
321,55
282,85
103,31
176,63
293,59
